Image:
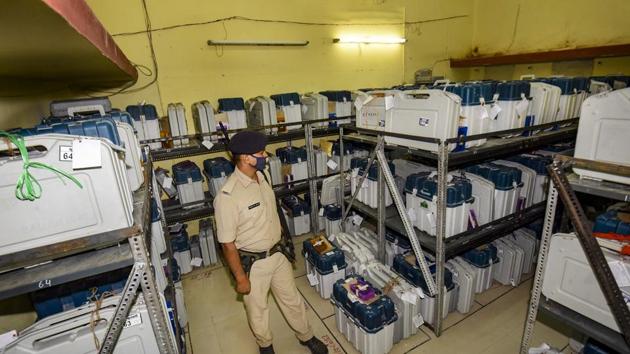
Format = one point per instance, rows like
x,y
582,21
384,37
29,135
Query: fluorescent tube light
x,y
255,42
371,40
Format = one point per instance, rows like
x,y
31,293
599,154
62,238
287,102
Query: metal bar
x,y
402,211
342,177
155,305
442,171
312,172
117,322
593,252
397,135
597,166
381,205
543,251
362,178
464,138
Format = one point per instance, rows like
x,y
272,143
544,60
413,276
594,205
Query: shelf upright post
x,y
543,252
442,171
381,201
312,173
342,177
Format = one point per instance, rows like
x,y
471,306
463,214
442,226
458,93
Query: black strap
x,y
287,241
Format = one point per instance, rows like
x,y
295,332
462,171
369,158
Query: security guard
x,y
249,231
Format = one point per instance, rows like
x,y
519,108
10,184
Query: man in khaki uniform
x,y
248,227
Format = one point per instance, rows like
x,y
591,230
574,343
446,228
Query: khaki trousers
x,y
275,272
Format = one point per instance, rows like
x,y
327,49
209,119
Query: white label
x,y
417,320
86,153
335,268
8,337
196,262
521,107
207,144
494,111
484,113
357,219
389,102
312,279
321,212
167,183
331,238
133,320
620,273
331,164
409,297
65,153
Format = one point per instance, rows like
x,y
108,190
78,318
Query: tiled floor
x,y
217,321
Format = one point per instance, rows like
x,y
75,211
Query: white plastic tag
x,y
484,113
620,273
167,183
521,107
409,297
207,144
494,111
196,262
133,320
312,279
357,219
331,164
335,268
417,320
389,102
86,153
321,212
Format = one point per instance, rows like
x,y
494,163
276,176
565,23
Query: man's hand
x,y
243,286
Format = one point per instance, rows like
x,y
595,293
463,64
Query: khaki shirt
x,y
246,214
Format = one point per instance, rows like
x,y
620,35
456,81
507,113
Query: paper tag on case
x,y
207,144
494,111
417,320
357,219
196,262
331,164
167,183
409,297
521,107
86,153
312,279
620,273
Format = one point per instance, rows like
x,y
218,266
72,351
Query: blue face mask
x,y
260,162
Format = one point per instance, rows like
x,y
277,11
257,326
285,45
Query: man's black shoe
x,y
267,350
316,346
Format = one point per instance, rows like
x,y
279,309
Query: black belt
x,y
264,254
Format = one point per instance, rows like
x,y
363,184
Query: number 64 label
x,y
65,153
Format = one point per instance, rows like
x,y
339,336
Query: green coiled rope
x,y
27,186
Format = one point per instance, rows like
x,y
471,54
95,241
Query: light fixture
x,y
370,40
254,42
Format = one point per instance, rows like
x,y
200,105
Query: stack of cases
x,y
288,109
297,212
177,122
217,171
404,295
315,107
332,213
207,243
439,118
104,203
203,116
339,105
187,178
421,201
539,165
180,246
294,165
526,239
368,193
545,102
195,252
71,335
482,263
507,186
407,267
261,111
566,106
465,278
234,110
396,244
145,120
513,103
325,264
603,133
511,260
364,315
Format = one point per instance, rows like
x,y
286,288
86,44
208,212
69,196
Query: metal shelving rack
x,y
47,266
498,145
552,309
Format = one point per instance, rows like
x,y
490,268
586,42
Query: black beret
x,y
247,142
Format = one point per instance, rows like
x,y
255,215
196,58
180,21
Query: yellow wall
x,y
536,25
